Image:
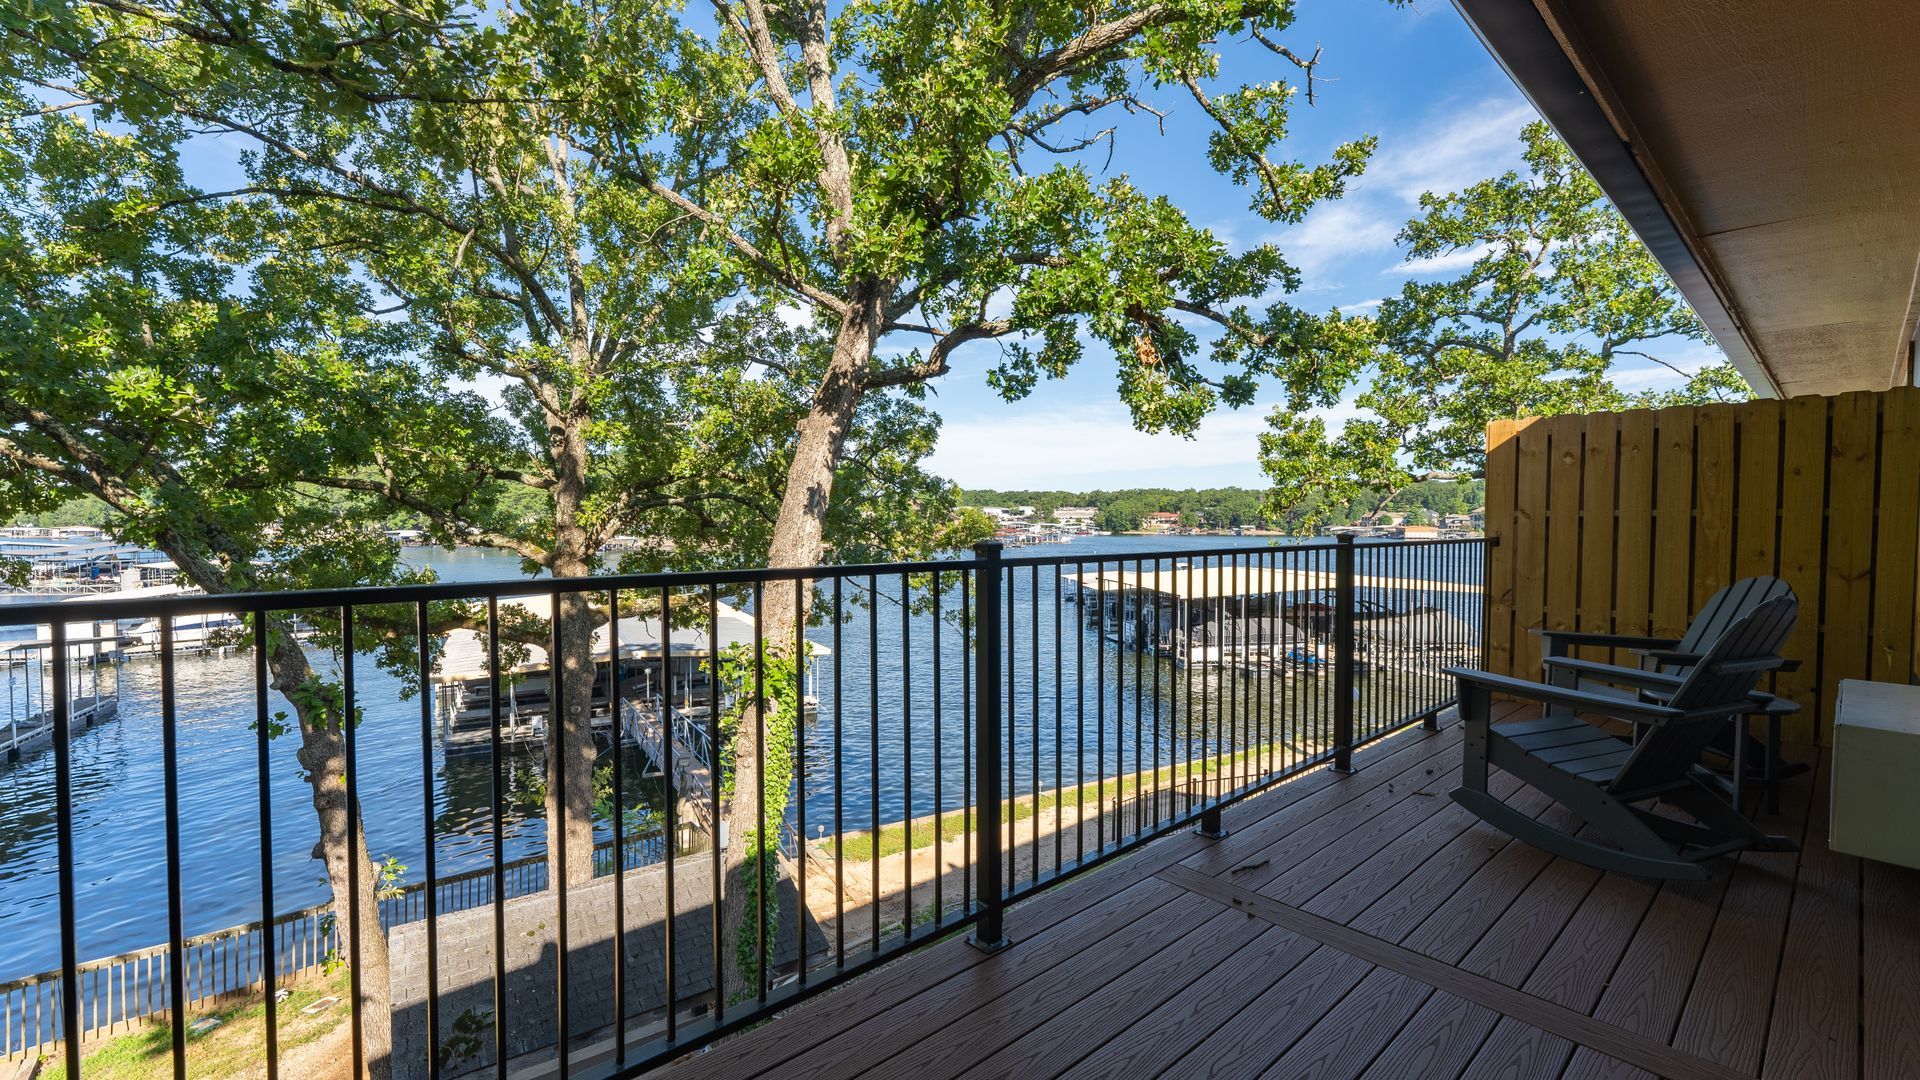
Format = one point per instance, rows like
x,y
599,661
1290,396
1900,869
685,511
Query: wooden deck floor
x,y
1364,925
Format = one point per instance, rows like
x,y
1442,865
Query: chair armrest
x,y
1614,673
1638,678
1582,700
1669,656
1613,641
1742,667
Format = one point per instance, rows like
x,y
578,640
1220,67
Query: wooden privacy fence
x,y
1627,522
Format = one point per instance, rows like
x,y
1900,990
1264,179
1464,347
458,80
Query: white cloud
x,y
1098,447
1336,231
1635,373
1456,146
1468,143
1439,264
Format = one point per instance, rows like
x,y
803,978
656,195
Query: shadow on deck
x,y
1365,925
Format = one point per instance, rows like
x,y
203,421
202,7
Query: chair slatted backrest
x,y
1719,612
1670,748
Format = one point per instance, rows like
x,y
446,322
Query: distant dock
x,y
21,737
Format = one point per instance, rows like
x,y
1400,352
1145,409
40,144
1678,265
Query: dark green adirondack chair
x,y
1676,656
1602,779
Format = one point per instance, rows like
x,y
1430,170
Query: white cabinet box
x,y
1876,772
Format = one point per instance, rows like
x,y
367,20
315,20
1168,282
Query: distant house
x,y
1161,519
1076,515
1415,532
1003,515
1380,519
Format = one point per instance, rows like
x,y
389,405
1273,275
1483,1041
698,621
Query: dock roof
x,y
1215,582
465,654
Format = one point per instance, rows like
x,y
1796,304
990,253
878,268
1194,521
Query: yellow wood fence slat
x,y
1630,521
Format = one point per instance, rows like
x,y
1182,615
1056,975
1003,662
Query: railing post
x,y
1343,654
989,933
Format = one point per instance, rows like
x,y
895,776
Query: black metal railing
x,y
929,743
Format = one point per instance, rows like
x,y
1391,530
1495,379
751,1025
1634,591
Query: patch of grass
x,y
898,837
235,1048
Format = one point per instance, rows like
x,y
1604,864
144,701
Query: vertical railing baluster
x,y
176,915
63,830
720,829
1033,710
1139,702
839,792
557,720
353,838
989,932
1010,842
1059,747
968,819
1100,707
799,769
873,757
617,730
1080,711
498,794
906,757
265,810
939,781
1343,644
759,854
1153,655
669,730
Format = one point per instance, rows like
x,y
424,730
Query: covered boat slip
x,y
462,673
1281,615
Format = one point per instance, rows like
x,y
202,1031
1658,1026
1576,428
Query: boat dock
x,y
22,736
643,725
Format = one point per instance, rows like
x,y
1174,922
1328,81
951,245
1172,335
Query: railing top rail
x,y
368,595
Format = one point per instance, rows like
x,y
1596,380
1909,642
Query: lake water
x,y
878,697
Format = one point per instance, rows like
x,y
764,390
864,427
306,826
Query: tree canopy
x,y
1559,289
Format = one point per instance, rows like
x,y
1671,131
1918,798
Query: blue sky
x,y
1445,115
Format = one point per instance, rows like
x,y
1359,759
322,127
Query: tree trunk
x,y
798,536
571,752
322,755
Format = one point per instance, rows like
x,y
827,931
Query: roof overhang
x,y
1766,152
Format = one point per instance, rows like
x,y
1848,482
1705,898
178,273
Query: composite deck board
x,y
1572,973
1257,1035
965,993
1890,975
1155,1042
1506,953
860,1001
1348,896
988,1004
1820,965
1352,1033
1726,1015
1119,1004
1402,1011
1367,925
1359,1026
